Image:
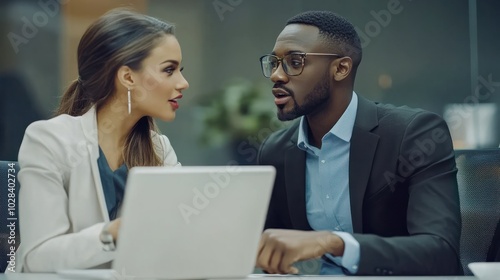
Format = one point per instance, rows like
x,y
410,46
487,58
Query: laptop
x,y
192,222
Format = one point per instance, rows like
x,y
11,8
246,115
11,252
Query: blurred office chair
x,y
9,223
479,188
18,109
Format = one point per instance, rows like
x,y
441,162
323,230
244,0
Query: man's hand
x,y
279,249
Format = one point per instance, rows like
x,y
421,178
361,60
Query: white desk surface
x,y
50,276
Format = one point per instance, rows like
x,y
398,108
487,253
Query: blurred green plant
x,y
237,111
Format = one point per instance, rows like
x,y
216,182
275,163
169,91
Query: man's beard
x,y
315,99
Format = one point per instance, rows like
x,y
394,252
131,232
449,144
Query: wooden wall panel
x,y
77,16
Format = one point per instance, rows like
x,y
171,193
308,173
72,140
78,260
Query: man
x,y
494,251
369,188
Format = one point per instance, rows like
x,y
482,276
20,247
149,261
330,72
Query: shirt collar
x,y
342,129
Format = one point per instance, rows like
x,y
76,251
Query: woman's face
x,y
159,83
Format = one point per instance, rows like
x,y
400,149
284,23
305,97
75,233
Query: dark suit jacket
x,y
494,252
402,185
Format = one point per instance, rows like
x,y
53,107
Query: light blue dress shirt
x,y
327,187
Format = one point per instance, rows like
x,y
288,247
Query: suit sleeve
x,y
47,241
433,212
271,220
494,251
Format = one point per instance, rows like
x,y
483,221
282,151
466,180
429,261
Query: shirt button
x,y
327,196
355,267
322,161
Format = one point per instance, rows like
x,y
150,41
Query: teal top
x,y
113,184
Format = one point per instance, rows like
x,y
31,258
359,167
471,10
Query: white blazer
x,y
62,209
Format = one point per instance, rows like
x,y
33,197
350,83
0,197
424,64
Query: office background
x,y
440,55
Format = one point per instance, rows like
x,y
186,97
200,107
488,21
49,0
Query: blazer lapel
x,y
363,147
89,125
295,167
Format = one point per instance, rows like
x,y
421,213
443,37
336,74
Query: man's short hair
x,y
339,34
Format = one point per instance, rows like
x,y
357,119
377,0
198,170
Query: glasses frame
x,y
303,58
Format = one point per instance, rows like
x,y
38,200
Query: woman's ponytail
x,y
73,101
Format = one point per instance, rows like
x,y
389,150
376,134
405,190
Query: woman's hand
x,y
114,227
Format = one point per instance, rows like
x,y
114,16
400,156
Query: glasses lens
x,y
293,64
269,63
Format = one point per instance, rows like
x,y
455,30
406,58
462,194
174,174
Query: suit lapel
x,y
363,147
295,167
89,125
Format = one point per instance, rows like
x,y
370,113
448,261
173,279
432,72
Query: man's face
x,y
308,92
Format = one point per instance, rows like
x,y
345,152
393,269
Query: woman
x,y
74,166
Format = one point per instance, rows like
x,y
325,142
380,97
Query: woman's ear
x,y
341,68
125,76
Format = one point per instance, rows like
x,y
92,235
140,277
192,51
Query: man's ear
x,y
341,68
125,76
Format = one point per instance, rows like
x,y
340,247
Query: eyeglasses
x,y
293,63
